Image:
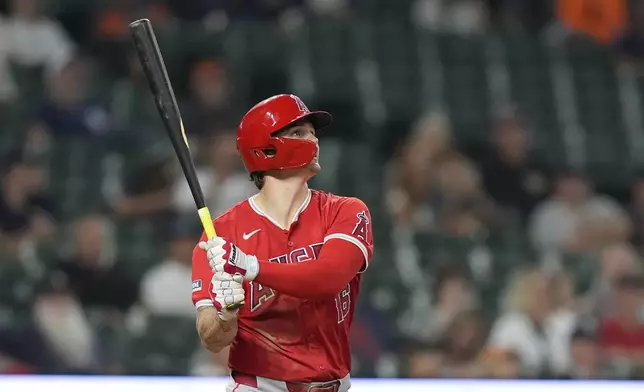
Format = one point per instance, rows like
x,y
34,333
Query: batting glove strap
x,y
226,257
252,267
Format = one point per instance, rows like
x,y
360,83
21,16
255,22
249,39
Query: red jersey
x,y
614,335
279,336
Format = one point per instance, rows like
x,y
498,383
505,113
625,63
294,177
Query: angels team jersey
x,y
279,336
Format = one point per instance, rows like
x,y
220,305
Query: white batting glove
x,y
226,257
227,296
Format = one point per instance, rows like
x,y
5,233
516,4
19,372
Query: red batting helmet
x,y
261,150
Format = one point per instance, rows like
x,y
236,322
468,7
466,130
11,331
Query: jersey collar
x,y
258,210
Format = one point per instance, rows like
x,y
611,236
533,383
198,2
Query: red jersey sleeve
x,y
201,277
351,222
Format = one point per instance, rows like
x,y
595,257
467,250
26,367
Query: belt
x,y
251,381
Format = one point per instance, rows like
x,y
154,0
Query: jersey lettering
x,y
316,248
299,255
343,303
280,259
260,295
362,226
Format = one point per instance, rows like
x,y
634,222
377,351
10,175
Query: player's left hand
x,y
226,257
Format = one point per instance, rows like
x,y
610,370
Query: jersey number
x,y
343,303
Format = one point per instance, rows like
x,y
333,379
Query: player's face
x,y
305,130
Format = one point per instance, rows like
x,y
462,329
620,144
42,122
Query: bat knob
x,y
235,306
139,22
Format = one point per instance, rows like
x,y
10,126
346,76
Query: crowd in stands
x,y
494,258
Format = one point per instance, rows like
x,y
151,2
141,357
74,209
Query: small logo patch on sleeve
x,y
196,285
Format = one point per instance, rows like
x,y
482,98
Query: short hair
x,y
258,179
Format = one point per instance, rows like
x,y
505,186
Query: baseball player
x,y
293,256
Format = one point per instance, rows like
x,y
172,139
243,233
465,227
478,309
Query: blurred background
x,y
498,143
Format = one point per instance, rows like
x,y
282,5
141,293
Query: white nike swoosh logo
x,y
252,233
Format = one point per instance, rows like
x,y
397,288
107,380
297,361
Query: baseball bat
x,y
147,48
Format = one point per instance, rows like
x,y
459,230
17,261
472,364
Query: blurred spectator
x,y
636,211
500,363
452,294
460,16
165,288
147,183
208,364
23,348
33,39
209,109
412,172
585,356
574,219
631,41
464,339
25,210
223,181
563,316
111,29
602,20
462,204
425,361
70,109
63,323
614,261
622,335
530,327
564,303
513,173
92,273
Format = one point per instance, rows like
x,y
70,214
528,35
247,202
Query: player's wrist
x,y
228,315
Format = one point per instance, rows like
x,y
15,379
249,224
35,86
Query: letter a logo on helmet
x,y
257,144
301,105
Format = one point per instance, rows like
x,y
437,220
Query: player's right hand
x,y
226,293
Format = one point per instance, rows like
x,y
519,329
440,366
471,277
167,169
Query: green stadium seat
x,y
600,114
395,50
164,348
399,10
18,289
76,175
30,82
138,241
465,85
529,67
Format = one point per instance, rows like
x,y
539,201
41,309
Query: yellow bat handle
x,y
206,222
209,228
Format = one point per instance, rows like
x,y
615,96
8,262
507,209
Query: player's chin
x,y
314,167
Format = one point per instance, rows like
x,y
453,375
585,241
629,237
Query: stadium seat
x,y
600,114
76,175
165,347
465,85
528,65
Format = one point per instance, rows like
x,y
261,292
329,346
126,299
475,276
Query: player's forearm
x,y
338,263
214,333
